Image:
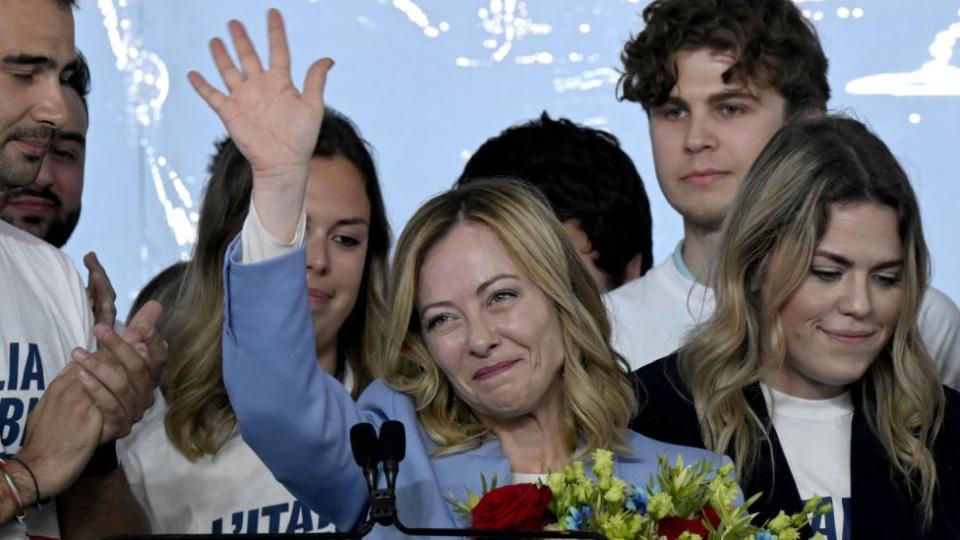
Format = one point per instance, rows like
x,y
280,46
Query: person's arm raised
x,y
274,125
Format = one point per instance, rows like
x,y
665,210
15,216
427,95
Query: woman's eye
x,y
502,296
437,321
347,241
888,280
825,274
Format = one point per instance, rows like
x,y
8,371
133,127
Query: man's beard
x,y
15,175
56,230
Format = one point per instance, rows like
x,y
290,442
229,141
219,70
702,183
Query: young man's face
x,y
50,208
708,133
36,52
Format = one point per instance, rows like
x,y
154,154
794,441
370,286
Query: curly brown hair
x,y
770,41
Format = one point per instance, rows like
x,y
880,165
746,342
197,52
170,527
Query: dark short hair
x,y
79,80
585,176
68,4
770,40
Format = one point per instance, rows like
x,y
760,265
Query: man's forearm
x,y
99,506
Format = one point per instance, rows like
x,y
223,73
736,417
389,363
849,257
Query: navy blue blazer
x,y
881,505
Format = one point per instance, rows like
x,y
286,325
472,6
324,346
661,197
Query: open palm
x,y
274,125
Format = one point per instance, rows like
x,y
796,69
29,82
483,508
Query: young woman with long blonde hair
x,y
811,373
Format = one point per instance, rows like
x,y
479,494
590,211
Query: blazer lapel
x,y
771,474
461,472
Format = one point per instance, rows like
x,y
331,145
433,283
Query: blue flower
x,y
637,500
765,535
576,519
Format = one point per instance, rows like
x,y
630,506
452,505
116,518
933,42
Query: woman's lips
x,y
318,297
848,336
494,370
704,177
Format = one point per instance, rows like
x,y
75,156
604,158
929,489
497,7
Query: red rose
x,y
672,526
517,506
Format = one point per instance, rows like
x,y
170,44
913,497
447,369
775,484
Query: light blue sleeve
x,y
294,416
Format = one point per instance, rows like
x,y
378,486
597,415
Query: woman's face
x,y
338,222
493,332
846,309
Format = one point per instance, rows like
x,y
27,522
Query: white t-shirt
x,y
815,436
652,315
43,315
229,493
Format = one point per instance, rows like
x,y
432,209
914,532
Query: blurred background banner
x,y
427,81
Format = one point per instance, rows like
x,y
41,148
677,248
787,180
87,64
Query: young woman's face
x,y
846,309
494,334
338,223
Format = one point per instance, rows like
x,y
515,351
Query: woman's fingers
x,y
277,35
249,60
316,81
221,58
214,98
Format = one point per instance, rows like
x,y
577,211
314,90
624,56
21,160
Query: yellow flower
x,y
660,505
779,523
615,493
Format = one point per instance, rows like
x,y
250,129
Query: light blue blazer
x,y
297,418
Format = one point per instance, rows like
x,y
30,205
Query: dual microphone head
x,y
369,450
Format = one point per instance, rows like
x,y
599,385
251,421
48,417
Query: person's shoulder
x,y
387,403
662,377
22,248
646,447
952,409
937,304
637,290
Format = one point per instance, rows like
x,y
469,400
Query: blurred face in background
x,y
50,207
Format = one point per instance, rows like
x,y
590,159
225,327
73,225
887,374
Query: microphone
x,y
363,443
393,448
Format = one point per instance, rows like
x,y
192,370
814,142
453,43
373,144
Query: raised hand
x,y
274,125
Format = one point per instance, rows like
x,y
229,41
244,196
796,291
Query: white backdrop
x,y
427,81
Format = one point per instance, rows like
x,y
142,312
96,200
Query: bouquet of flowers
x,y
684,502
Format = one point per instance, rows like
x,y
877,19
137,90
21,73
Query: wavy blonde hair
x,y
598,399
782,209
199,417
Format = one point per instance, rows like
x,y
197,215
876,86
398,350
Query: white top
x,y
815,436
231,492
652,315
44,315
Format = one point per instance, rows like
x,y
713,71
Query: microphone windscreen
x,y
393,441
363,442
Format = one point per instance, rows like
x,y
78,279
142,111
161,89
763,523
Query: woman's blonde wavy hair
x,y
199,417
782,209
598,399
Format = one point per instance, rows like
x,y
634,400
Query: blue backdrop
x,y
427,81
